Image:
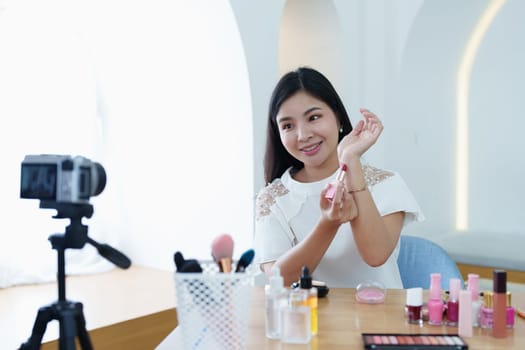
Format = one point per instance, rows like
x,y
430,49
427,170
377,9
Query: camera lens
x,y
101,178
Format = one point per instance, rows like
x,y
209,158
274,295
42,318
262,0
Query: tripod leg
x,y
45,314
68,329
83,335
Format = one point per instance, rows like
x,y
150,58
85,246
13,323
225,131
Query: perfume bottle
x,y
276,298
295,319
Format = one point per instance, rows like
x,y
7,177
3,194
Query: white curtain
x,y
157,92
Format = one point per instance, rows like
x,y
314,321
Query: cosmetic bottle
x,y
414,305
473,287
295,319
311,298
511,313
435,303
276,298
486,314
465,313
453,302
499,287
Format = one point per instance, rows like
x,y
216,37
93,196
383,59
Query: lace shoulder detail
x,y
374,175
266,198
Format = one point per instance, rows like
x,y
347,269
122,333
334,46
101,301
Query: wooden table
x,y
342,320
124,309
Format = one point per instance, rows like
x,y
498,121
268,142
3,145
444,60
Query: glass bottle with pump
x,y
276,298
311,298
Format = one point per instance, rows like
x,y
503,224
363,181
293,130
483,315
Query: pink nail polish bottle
x,y
435,303
473,286
453,302
511,313
486,315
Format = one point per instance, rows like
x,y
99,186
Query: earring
x,y
341,130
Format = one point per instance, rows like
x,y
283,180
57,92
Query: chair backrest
x,y
419,257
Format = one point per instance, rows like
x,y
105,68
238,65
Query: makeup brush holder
x,y
213,308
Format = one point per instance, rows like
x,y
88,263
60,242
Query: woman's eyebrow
x,y
309,110
305,113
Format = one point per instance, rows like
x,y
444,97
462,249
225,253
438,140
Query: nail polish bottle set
x,y
464,308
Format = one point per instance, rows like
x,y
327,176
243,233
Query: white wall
x,y
402,59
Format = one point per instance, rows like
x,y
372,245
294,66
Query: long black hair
x,y
276,158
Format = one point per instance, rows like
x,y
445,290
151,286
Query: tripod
x,y
68,313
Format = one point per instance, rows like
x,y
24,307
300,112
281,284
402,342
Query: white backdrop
x,y
166,113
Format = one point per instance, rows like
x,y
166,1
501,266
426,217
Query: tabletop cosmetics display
x,y
214,297
465,309
291,314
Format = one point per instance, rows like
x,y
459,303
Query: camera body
x,y
61,178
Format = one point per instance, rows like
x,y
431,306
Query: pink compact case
x,y
370,292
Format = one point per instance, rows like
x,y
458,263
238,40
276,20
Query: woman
x,y
346,239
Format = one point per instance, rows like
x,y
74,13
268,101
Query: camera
x,y
61,178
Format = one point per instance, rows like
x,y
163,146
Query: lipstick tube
x,y
330,192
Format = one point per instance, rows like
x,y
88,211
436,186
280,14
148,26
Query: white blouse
x,y
288,210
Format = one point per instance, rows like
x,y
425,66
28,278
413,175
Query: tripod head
x,y
76,235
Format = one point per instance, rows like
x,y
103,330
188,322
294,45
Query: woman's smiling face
x,y
309,131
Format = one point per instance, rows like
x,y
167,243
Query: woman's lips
x,y
312,149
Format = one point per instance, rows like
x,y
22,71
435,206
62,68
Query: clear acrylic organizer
x,y
213,308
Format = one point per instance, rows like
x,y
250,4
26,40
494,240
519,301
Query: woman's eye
x,y
286,126
315,117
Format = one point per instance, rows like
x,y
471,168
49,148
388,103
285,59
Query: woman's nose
x,y
304,133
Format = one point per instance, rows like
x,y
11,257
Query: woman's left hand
x,y
341,208
362,137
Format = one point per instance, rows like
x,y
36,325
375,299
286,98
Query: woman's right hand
x,y
341,208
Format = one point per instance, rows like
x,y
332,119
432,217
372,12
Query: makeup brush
x,y
179,260
245,260
222,252
183,265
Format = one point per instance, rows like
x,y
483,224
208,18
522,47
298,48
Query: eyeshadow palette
x,y
394,341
